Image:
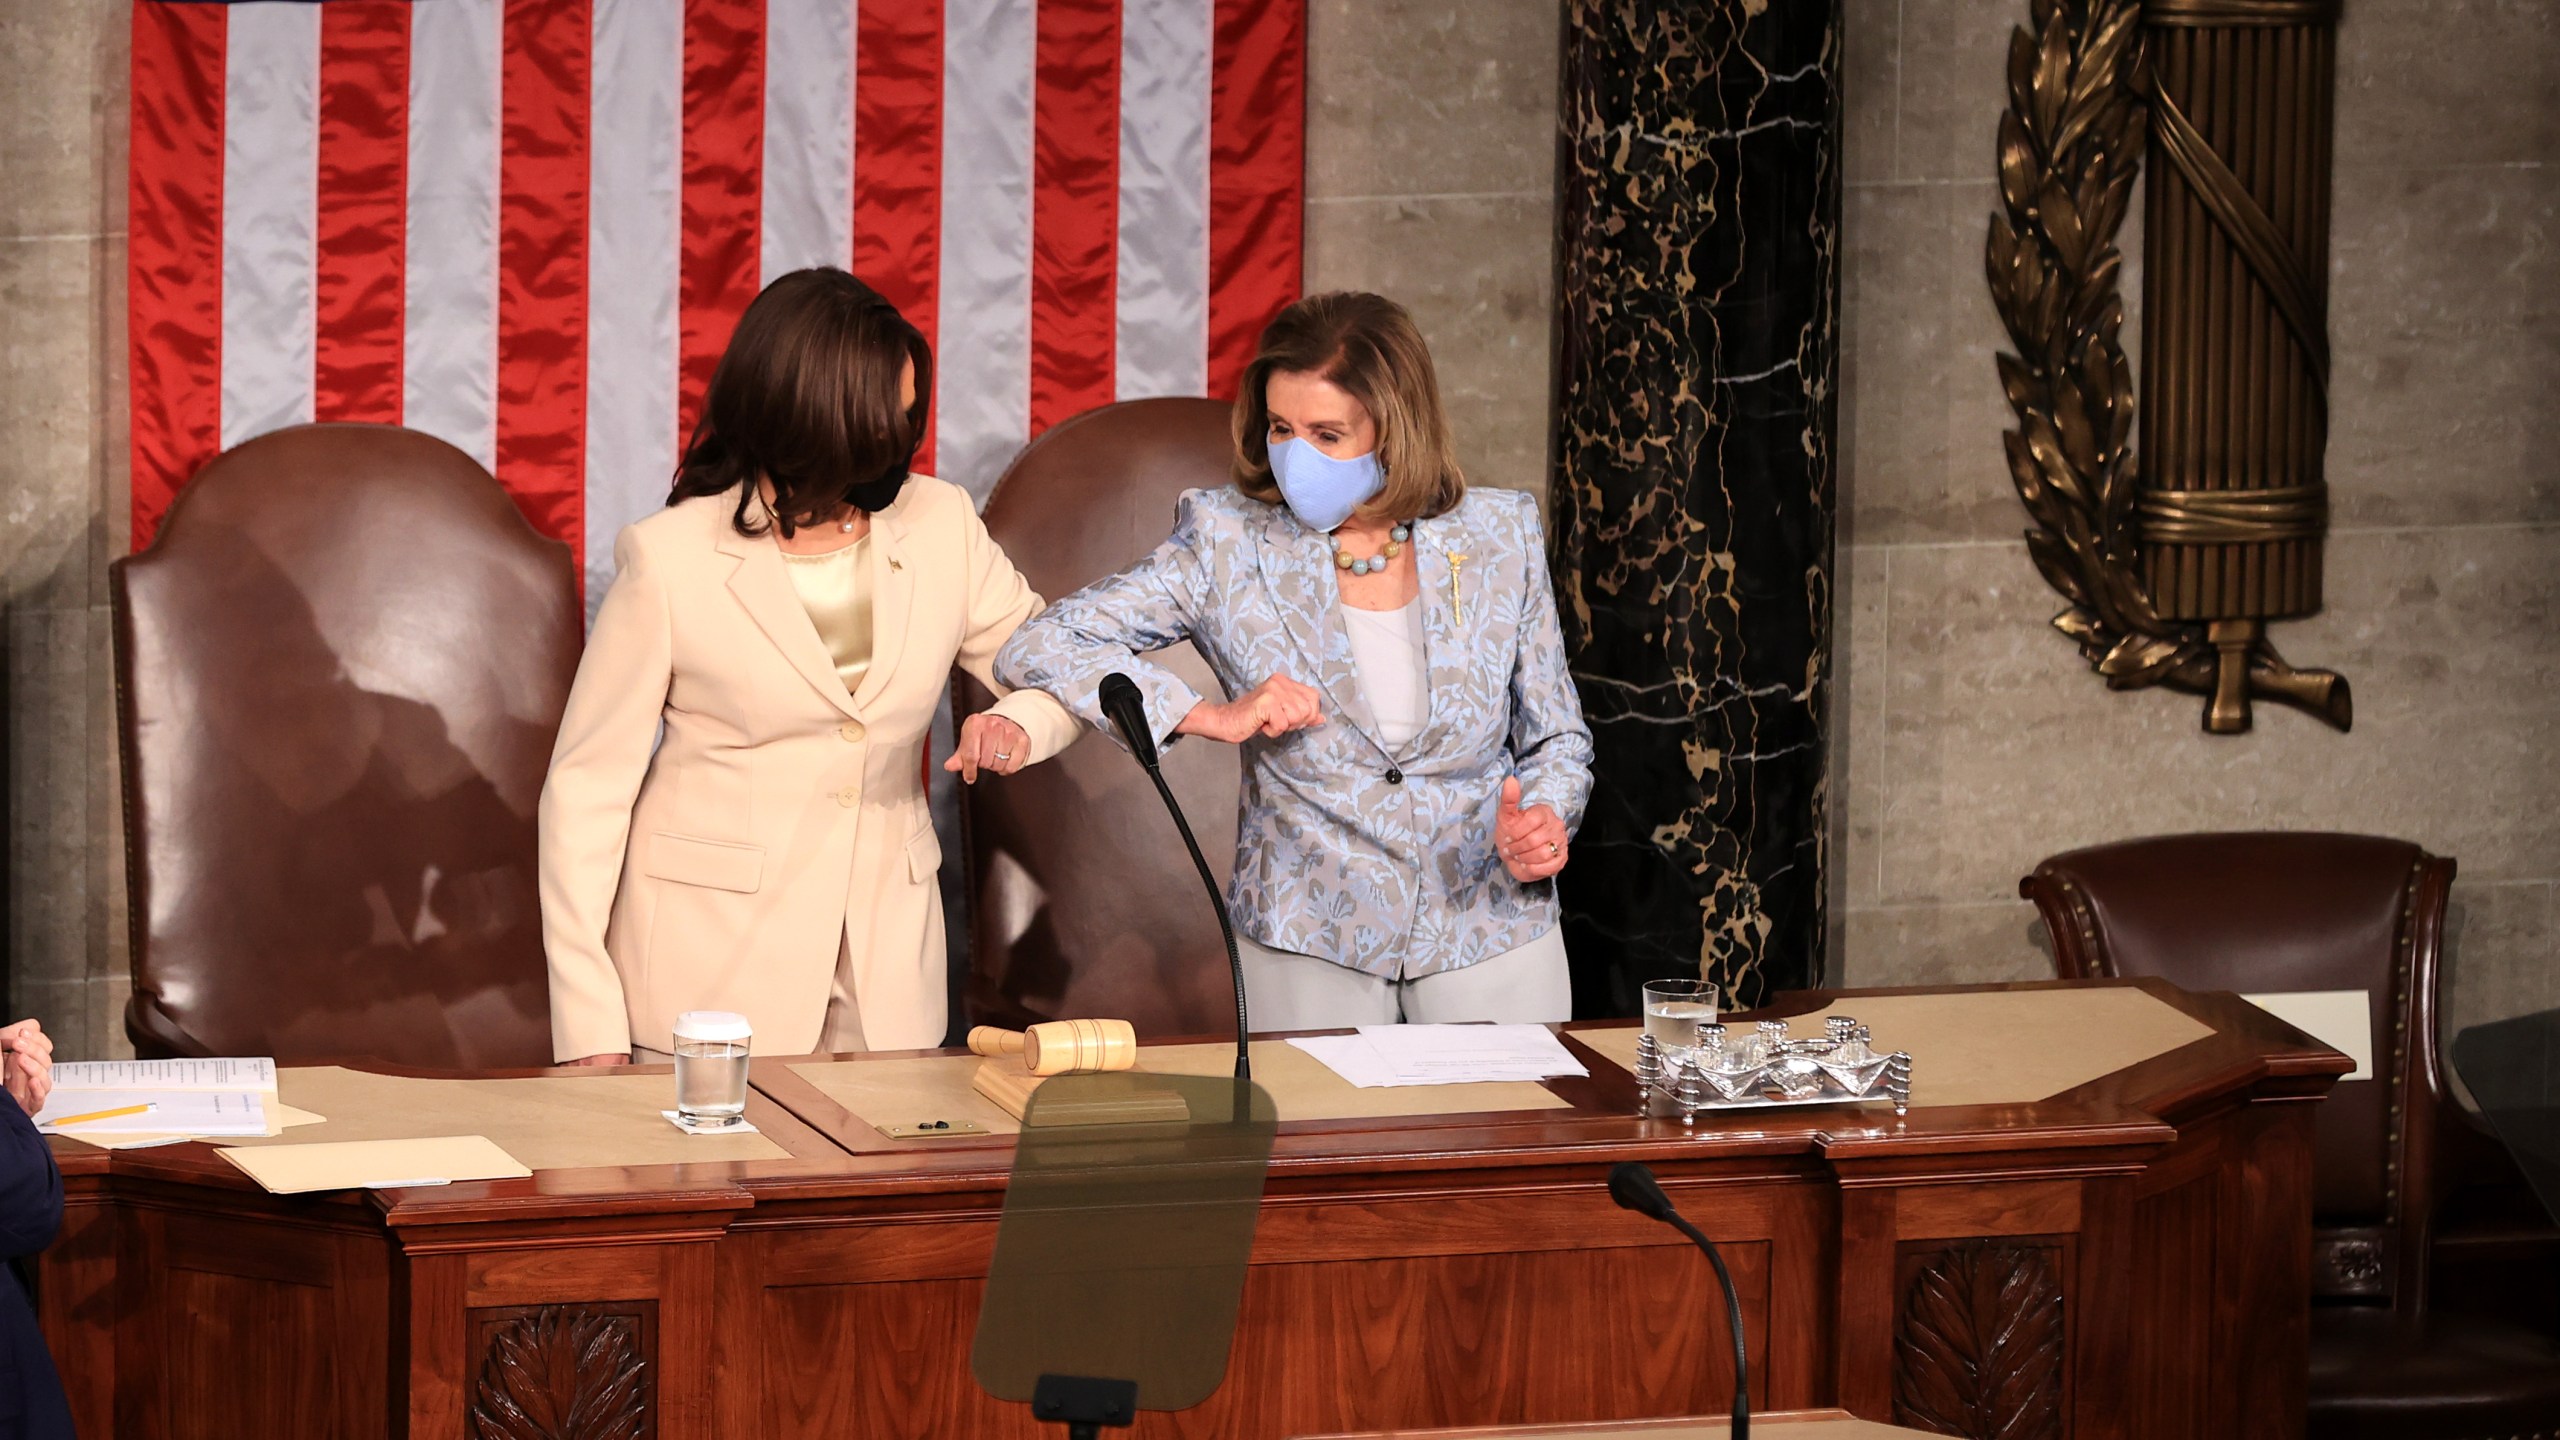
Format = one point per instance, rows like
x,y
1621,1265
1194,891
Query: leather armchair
x,y
339,670
1083,902
2396,1155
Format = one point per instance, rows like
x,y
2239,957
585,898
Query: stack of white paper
x,y
174,1098
1443,1054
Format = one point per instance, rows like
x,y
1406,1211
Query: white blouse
x,y
1387,645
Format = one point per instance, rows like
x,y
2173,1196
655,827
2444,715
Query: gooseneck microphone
x,y
1632,1185
1128,714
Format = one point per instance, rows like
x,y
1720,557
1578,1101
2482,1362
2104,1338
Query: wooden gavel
x,y
1060,1047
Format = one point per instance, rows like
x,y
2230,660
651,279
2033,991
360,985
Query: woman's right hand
x,y
28,1063
600,1060
1274,707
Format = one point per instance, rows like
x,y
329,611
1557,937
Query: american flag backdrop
x,y
527,226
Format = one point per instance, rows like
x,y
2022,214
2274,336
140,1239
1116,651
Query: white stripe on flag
x,y
449,359
808,135
1162,309
270,184
635,172
984,376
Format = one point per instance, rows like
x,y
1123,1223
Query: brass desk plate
x,y
931,1129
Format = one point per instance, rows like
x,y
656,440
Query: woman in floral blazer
x,y
1415,757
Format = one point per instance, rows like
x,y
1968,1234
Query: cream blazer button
x,y
852,731
848,797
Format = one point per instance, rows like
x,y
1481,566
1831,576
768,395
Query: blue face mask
x,y
1321,490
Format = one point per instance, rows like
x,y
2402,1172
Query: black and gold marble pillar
x,y
1699,251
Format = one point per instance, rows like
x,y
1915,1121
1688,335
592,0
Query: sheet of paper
x,y
2339,1019
279,1119
362,1164
204,1074
153,1112
127,1142
1350,1056
1443,1054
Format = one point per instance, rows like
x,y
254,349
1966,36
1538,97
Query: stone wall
x,y
62,508
1431,163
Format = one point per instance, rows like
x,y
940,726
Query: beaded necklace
x,y
1343,559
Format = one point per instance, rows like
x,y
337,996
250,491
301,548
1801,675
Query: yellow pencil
x,y
115,1114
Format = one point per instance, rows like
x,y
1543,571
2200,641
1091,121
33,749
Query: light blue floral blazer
x,y
1400,878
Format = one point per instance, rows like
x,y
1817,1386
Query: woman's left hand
x,y
28,1064
989,742
1532,842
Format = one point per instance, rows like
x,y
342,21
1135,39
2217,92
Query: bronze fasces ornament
x,y
2171,567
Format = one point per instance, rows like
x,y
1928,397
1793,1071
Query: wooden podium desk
x,y
2126,1251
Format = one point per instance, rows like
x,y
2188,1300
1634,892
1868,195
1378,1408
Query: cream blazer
x,y
720,811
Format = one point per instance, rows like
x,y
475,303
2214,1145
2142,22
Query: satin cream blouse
x,y
835,588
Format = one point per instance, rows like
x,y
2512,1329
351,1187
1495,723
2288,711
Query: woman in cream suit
x,y
1415,757
735,817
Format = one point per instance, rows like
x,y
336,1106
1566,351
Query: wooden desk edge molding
x,y
1798,1425
1410,1270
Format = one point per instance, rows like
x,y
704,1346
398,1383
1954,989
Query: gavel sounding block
x,y
1126,1102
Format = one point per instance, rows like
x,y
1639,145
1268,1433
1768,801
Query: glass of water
x,y
711,1067
1675,1009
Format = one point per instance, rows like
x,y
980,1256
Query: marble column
x,y
1699,230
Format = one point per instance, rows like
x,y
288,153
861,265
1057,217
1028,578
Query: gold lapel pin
x,y
1457,611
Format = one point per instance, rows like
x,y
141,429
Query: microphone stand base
x,y
1085,1405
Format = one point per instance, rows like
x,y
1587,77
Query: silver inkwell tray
x,y
1766,1068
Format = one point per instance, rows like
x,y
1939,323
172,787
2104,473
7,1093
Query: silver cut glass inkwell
x,y
1769,1069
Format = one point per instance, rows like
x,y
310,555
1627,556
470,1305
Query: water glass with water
x,y
1675,1009
711,1067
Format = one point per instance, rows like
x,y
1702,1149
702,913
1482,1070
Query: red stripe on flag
x,y
542,263
1075,208
173,279
363,209
721,250
1257,175
897,163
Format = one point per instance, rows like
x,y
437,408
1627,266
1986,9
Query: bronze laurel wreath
x,y
2070,147
2071,144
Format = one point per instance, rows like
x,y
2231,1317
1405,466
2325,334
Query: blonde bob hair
x,y
1367,345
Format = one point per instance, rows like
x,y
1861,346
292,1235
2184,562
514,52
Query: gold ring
x,y
1551,848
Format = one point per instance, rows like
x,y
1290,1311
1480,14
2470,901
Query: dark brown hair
x,y
1368,345
806,396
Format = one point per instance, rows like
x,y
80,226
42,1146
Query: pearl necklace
x,y
845,525
1371,565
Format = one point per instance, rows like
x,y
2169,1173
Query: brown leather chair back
x,y
339,671
2276,911
1083,901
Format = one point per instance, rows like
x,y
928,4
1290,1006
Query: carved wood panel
x,y
563,1372
1978,1343
1323,1348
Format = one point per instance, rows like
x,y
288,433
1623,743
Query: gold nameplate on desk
x,y
931,1129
